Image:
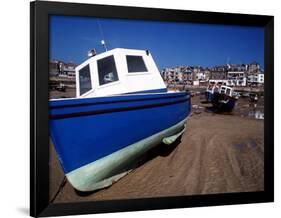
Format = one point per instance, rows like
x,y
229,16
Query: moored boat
x,y
224,100
121,110
253,97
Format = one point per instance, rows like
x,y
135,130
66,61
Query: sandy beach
x,y
217,154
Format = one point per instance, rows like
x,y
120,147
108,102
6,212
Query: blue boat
x,y
122,110
222,97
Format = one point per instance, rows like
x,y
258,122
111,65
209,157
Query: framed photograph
x,y
141,109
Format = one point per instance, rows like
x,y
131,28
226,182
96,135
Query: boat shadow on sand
x,y
215,110
161,150
209,108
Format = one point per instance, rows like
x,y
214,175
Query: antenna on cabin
x,y
103,44
102,36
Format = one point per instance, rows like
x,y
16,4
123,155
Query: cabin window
x,y
228,92
107,70
85,80
223,90
135,64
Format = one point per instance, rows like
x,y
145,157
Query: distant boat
x,y
222,97
253,97
245,94
224,100
122,110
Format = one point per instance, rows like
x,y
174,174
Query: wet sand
x,y
217,154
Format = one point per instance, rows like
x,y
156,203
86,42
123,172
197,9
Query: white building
x,y
200,75
261,78
257,78
218,81
236,78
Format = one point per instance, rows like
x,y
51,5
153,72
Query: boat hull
x,y
96,138
223,103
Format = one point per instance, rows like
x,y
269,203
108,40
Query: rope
x,y
100,29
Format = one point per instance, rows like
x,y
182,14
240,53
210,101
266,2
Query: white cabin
x,y
222,89
226,90
118,71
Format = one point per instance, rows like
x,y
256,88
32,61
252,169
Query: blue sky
x,y
171,43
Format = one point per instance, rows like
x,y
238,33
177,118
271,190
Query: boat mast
x,y
102,36
104,45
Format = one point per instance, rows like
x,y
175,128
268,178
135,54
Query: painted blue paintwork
x,y
85,130
226,107
114,98
218,101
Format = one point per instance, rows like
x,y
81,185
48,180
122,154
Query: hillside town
x,y
238,75
61,77
61,69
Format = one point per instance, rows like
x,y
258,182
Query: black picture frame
x,y
39,135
